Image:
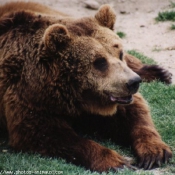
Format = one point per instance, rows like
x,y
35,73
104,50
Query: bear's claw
x,y
150,161
131,167
166,76
153,72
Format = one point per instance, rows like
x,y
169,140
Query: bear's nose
x,y
133,84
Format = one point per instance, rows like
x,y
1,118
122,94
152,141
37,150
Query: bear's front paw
x,y
152,154
109,159
153,72
163,75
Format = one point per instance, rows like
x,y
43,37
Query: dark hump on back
x,y
82,27
23,20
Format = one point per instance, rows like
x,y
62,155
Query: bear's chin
x,y
107,110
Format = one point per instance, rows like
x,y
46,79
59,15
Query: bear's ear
x,y
106,16
56,36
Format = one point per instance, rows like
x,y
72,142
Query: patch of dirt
x,y
136,18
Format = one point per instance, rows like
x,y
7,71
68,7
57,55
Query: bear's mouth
x,y
121,100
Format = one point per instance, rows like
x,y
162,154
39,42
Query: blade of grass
x,y
121,34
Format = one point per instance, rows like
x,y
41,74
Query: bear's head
x,y
66,65
92,70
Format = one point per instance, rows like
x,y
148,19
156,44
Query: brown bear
x,y
62,77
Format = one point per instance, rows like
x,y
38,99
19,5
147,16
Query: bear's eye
x,y
100,64
116,46
121,56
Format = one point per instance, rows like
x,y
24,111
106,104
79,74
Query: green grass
x,y
166,16
34,164
172,27
143,58
161,99
172,5
121,34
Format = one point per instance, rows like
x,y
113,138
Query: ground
x,y
136,18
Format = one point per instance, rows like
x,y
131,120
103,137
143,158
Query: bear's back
x,y
29,6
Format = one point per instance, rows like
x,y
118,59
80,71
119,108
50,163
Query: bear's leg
x,y
145,140
30,131
130,126
148,72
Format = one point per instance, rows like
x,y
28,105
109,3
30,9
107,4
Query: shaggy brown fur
x,y
60,76
148,72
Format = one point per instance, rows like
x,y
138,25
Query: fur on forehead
x,y
106,16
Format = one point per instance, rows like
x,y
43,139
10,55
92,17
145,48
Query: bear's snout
x,y
133,84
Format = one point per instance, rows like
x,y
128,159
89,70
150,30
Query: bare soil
x,y
136,18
